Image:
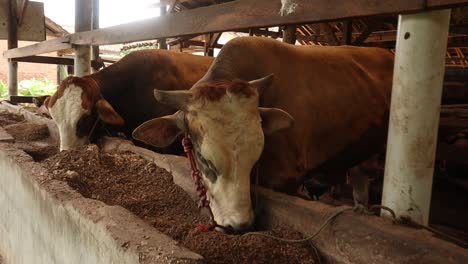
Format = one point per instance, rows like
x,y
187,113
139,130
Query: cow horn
x,y
177,99
262,83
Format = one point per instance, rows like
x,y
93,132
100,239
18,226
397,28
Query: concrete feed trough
x,y
44,220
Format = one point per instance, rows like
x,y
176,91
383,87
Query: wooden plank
x,y
243,14
372,25
32,27
22,4
61,43
57,60
17,99
45,60
239,15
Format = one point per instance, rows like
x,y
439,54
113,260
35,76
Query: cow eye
x,y
85,123
207,167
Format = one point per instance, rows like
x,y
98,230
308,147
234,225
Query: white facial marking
x,y
66,112
233,141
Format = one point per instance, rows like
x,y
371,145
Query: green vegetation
x,y
31,88
3,90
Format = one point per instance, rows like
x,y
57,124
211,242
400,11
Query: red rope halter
x,y
201,189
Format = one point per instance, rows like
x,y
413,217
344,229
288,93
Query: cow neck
x,y
112,80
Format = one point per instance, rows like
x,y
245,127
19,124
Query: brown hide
x,y
129,83
338,96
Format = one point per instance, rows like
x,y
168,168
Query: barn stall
x,y
93,229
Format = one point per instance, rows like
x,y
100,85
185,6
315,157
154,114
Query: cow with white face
x,y
227,128
75,107
121,95
338,97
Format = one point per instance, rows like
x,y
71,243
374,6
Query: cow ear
x,y
45,102
44,108
274,119
160,132
107,113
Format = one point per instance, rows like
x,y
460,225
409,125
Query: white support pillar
x,y
163,41
12,43
95,25
83,22
414,113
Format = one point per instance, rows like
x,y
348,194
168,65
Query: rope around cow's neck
x,y
200,187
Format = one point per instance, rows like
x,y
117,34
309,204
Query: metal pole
x,y
414,113
162,41
12,43
83,21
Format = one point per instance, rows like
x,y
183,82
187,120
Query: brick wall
x,y
26,70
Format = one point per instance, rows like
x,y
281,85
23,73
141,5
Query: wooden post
x,y
162,41
289,34
12,43
83,21
414,113
347,32
95,49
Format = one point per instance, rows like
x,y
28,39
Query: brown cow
x,y
338,98
121,94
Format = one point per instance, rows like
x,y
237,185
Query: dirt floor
x,y
126,179
7,118
32,138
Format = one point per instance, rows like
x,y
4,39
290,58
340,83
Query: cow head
x,y
227,129
75,107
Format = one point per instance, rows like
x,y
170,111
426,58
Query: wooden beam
x,y
289,34
22,5
61,43
347,35
210,45
243,14
45,60
372,26
329,34
54,60
261,32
